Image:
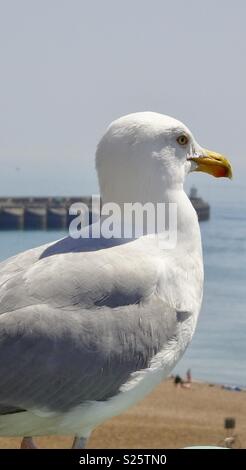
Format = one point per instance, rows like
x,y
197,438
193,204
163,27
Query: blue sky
x,y
69,67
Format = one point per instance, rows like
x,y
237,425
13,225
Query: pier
x,y
36,213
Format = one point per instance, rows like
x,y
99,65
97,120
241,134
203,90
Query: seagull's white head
x,y
143,155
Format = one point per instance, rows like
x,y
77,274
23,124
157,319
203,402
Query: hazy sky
x,y
69,67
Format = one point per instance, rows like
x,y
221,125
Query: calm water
x,y
218,349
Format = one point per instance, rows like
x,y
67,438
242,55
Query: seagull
x,y
89,326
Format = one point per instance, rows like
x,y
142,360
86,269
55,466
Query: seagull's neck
x,y
187,221
175,202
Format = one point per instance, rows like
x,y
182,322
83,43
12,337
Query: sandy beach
x,y
168,418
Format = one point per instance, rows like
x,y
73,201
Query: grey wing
x,y
67,337
66,358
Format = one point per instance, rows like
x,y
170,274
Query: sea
x,y
218,350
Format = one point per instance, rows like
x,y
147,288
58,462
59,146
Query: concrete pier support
x,y
35,218
11,218
57,218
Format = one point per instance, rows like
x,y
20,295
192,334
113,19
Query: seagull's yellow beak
x,y
213,163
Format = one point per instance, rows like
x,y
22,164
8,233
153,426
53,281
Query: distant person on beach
x,y
178,381
188,376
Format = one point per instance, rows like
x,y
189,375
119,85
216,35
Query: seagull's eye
x,y
182,139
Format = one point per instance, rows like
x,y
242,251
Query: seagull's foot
x,y
28,443
79,443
